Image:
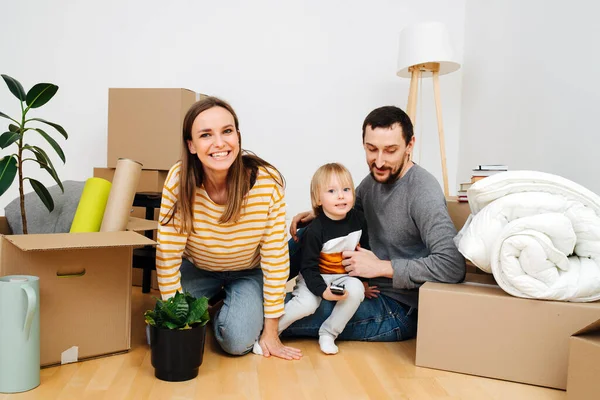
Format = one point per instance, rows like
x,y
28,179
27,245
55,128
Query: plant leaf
x,y
182,308
15,87
40,94
45,163
53,143
170,312
189,298
149,317
6,116
42,193
8,171
52,124
171,325
13,128
54,176
40,154
8,138
198,312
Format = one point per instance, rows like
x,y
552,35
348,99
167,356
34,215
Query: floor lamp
x,y
425,51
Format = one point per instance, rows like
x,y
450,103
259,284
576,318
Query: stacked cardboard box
x,y
145,125
477,328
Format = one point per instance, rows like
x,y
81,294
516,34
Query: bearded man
x,y
410,233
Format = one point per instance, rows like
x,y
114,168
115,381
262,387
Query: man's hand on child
x,y
301,218
327,295
371,292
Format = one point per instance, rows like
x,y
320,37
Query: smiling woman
x,y
222,226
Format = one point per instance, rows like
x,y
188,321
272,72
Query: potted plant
x,y
36,97
177,333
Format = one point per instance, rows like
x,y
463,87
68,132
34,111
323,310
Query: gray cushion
x,y
39,220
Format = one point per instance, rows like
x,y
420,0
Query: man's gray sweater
x,y
409,224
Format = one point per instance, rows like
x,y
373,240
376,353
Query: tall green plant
x,y
36,97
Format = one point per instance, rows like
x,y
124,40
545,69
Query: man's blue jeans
x,y
239,322
379,320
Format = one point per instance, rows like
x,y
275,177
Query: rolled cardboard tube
x,y
122,192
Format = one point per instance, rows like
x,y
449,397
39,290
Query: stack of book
x,y
482,171
462,191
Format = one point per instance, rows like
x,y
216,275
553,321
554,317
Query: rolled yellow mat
x,y
90,210
122,192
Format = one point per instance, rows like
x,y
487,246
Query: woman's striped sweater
x,y
257,238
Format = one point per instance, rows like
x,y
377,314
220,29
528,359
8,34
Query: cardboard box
x,y
145,125
85,288
137,278
459,212
142,225
481,330
583,381
150,180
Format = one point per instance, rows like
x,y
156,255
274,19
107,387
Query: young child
x,y
336,228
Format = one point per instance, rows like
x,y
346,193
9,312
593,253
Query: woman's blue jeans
x,y
239,322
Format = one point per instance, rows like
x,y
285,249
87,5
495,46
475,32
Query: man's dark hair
x,y
386,117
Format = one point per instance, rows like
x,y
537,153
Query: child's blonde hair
x,y
321,178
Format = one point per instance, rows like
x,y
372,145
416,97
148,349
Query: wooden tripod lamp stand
x,y
425,51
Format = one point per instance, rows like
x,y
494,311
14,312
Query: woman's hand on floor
x,y
271,344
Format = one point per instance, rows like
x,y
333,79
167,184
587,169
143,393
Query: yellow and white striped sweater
x,y
258,237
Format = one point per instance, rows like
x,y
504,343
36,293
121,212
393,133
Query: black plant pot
x,y
177,354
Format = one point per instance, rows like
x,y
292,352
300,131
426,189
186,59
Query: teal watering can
x,y
19,333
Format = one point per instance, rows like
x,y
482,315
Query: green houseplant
x,y
177,333
12,164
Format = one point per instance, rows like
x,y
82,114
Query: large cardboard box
x,y
481,330
583,381
85,288
150,180
145,125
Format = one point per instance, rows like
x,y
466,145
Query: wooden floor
x,y
360,371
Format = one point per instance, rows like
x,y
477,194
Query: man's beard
x,y
394,175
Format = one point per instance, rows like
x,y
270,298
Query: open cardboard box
x,y
85,288
479,329
583,381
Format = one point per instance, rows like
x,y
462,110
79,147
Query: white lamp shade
x,y
424,43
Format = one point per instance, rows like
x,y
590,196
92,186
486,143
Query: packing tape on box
x,y
122,192
90,210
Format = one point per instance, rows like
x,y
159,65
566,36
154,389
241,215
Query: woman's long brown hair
x,y
240,178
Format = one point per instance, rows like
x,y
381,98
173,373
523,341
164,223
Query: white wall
x,y
301,75
531,87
